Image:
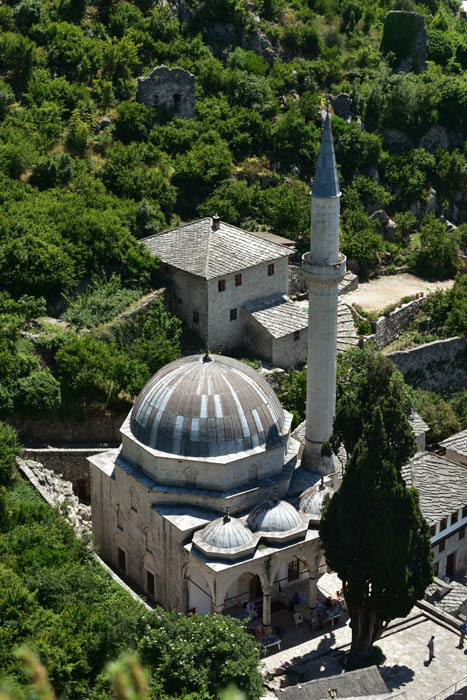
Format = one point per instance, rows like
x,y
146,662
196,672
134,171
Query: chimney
x,y
216,222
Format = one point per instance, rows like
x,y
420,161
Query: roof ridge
x,y
255,235
174,228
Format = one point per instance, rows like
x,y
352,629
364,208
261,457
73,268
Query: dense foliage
x,y
78,191
58,601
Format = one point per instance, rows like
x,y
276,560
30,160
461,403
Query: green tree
x,y
292,394
438,255
438,414
373,533
9,450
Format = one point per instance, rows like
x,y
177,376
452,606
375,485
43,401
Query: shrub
x,y
438,255
100,302
9,449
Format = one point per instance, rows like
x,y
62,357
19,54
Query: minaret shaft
x,y
325,268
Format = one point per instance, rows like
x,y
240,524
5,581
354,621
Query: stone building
x,y
220,275
455,447
230,287
206,506
442,488
173,89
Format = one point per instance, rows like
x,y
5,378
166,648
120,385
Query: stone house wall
x,y
434,366
288,352
454,456
188,293
173,89
224,334
452,543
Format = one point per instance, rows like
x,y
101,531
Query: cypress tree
x,y
373,532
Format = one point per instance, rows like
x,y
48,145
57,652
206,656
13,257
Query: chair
x,y
298,619
314,623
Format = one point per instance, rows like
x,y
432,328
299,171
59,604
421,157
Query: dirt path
x,y
379,293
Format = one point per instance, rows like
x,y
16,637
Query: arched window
x,y
252,472
190,478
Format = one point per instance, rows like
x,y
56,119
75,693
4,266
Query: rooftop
x,y
278,315
210,250
457,443
417,424
359,683
441,484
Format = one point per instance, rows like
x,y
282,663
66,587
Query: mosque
x,y
211,502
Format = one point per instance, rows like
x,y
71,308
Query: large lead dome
x,y
207,406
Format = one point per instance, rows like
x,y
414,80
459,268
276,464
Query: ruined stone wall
x,y
98,429
441,365
389,328
71,463
171,89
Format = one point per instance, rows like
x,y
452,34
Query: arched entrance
x,y
255,590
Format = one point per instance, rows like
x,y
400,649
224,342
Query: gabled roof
x,y
363,682
209,252
456,443
441,484
326,182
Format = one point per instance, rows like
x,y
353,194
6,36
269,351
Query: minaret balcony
x,y
326,273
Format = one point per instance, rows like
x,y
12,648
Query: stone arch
x,y
198,590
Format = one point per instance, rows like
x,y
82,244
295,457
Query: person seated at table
x,y
295,600
328,603
251,610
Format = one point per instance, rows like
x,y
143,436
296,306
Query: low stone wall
x,y
441,365
389,328
71,463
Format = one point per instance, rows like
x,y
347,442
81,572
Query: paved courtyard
x,y
385,290
405,666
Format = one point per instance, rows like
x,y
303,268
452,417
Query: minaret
x,y
324,267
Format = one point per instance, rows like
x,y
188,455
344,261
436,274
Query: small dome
x,y
312,500
226,533
207,406
273,516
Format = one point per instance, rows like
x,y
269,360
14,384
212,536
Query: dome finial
x,y
226,517
207,357
321,486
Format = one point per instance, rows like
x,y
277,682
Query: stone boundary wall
x,y
441,365
389,328
71,463
298,284
30,476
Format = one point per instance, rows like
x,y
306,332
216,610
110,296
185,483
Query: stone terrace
x,y
403,644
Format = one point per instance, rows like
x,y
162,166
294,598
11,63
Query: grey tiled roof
x,y
278,315
199,249
417,424
441,484
326,182
451,598
208,409
457,443
360,683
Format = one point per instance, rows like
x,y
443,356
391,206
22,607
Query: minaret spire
x,y
325,267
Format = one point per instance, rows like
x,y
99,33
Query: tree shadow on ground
x,y
396,676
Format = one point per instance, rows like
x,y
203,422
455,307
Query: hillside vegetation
x,y
77,191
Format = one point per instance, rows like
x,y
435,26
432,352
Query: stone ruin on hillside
x,y
404,35
173,89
